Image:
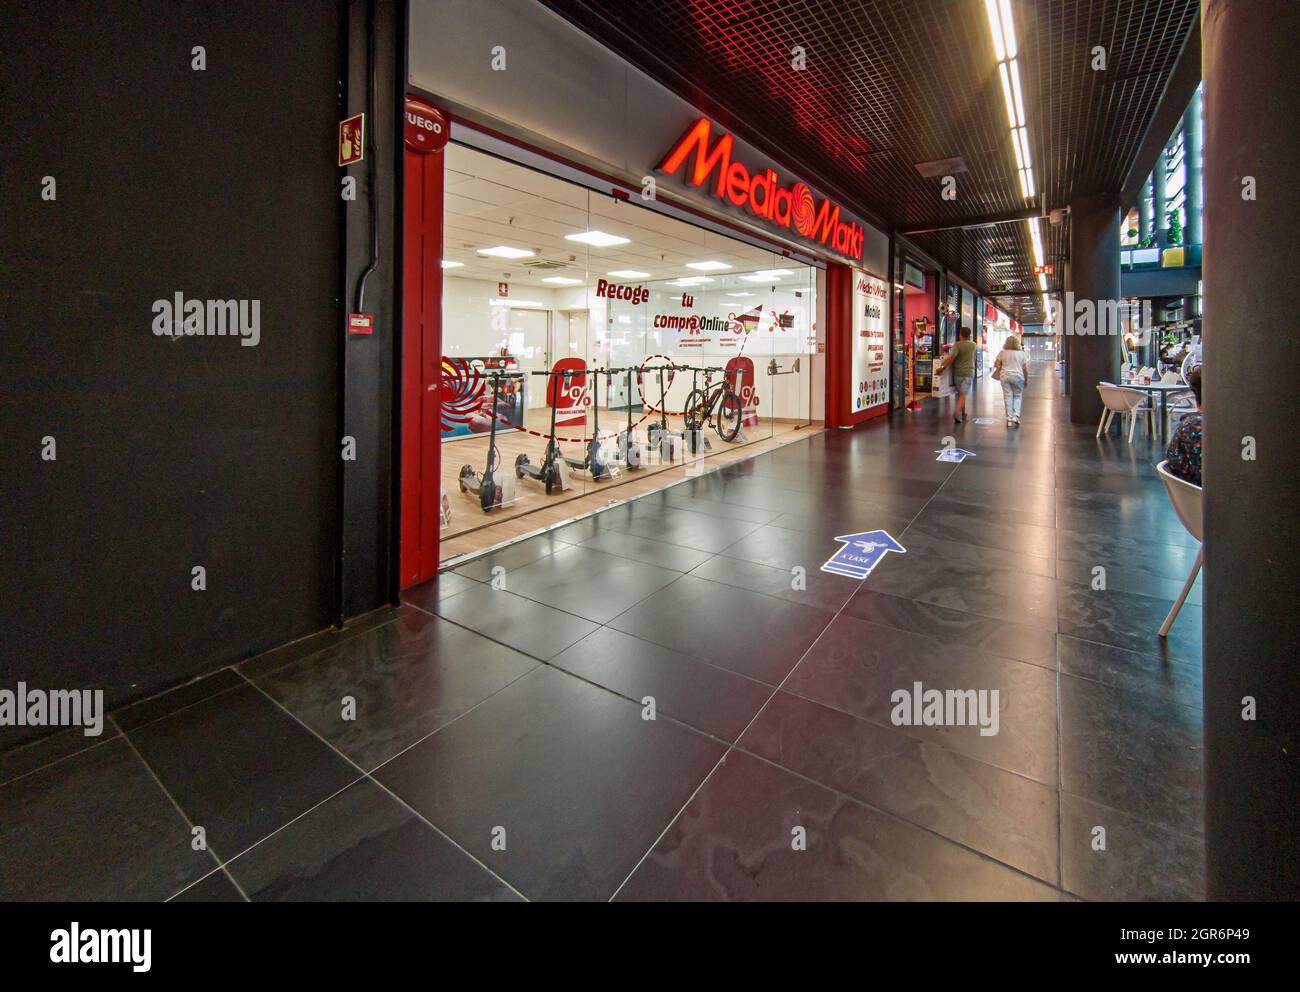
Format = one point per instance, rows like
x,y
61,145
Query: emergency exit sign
x,y
1044,270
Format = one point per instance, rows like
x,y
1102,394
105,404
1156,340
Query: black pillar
x,y
1094,280
1252,626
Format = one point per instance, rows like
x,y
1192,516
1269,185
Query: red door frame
x,y
421,367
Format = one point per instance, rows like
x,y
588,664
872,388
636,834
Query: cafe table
x,y
1162,390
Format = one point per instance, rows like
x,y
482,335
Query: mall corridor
x,y
498,744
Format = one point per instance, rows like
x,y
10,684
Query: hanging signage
x,y
352,137
760,191
426,127
1044,270
870,342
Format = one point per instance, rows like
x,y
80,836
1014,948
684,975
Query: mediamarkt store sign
x,y
761,192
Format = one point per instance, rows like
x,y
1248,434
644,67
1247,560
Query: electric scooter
x,y
633,453
595,461
493,489
549,472
660,436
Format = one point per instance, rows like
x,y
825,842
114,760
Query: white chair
x,y
1186,498
1126,403
1171,378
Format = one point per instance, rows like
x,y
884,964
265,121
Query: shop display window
x,y
614,343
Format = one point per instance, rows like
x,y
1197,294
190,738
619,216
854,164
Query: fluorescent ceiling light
x,y
690,281
505,251
740,294
449,264
995,28
709,266
598,238
628,274
767,275
1027,183
1023,138
1042,282
1015,144
1014,70
1008,28
562,281
1006,94
516,303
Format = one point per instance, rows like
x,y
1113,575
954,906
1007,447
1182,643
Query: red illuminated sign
x,y
426,127
761,192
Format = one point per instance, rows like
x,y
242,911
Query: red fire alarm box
x,y
361,323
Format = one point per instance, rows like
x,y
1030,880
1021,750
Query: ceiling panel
x,y
889,84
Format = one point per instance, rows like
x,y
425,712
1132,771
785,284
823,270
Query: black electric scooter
x,y
485,486
628,441
657,432
549,472
594,462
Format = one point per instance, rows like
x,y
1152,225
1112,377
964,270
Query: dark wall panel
x,y
171,452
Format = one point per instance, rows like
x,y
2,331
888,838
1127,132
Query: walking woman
x,y
1012,370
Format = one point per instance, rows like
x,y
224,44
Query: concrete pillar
x,y
1252,530
1093,277
1193,147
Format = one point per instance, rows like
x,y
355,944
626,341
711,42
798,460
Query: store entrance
x,y
593,350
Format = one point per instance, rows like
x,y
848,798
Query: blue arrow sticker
x,y
861,553
958,455
983,420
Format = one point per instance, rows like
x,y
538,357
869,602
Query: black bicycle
x,y
717,397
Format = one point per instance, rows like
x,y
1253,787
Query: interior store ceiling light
x,y
505,251
598,239
628,274
690,281
767,275
740,294
709,266
563,281
516,303
447,263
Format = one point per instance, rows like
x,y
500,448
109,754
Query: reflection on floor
x,y
471,530
510,701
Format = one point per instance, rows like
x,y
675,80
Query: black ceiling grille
x,y
893,83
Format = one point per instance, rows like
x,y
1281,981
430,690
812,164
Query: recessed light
x,y
449,264
563,281
709,266
767,275
689,281
505,251
628,274
598,238
740,294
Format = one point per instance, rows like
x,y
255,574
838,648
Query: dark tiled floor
x,y
670,700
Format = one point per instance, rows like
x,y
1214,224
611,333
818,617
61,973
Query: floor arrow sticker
x,y
861,553
958,455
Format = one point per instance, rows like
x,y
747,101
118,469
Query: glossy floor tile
x,y
671,700
556,785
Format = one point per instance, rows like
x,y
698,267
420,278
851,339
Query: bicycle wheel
x,y
695,410
729,413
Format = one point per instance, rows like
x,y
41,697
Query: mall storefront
x,y
605,291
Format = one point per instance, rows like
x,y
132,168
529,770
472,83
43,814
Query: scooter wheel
x,y
465,472
521,461
487,495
